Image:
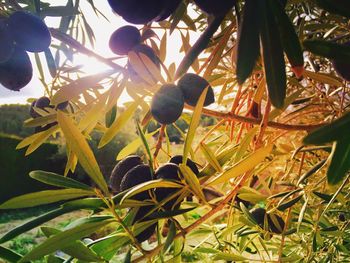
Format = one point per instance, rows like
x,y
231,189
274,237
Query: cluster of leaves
x,y
254,151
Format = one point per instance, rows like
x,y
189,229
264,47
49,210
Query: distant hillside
x,y
11,119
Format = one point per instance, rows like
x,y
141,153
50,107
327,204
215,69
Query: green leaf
x,y
328,49
76,249
338,7
248,49
229,256
274,66
58,180
337,130
340,161
9,255
43,197
243,166
170,238
110,116
194,124
288,204
119,123
51,63
289,38
61,240
81,148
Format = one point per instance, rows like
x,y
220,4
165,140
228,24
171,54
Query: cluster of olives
x,y
131,171
20,32
42,103
142,12
275,225
168,102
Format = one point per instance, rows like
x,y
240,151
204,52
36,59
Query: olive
x,y
192,87
124,39
177,159
216,8
167,104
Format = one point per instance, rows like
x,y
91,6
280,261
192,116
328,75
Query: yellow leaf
x,y
133,146
323,78
75,88
81,148
210,157
119,123
243,166
192,181
40,139
140,68
40,121
194,124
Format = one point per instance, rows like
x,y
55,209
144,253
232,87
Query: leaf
x,y
77,87
62,239
51,63
76,249
133,146
289,38
274,66
58,180
310,172
328,49
248,47
43,197
40,139
160,183
110,116
323,78
119,123
337,130
243,166
81,148
192,181
288,204
245,144
170,236
338,7
9,255
194,124
210,157
229,257
340,161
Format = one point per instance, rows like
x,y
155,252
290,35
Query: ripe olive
x,y
167,104
16,72
192,87
177,159
275,222
216,8
121,169
140,217
168,171
124,39
7,45
342,68
136,11
137,175
29,31
169,7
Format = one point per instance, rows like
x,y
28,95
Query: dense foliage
x,y
267,177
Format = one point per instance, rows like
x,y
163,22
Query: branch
x,y
255,121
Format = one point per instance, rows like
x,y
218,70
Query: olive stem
x,y
159,141
257,121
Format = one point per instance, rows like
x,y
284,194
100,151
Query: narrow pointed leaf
x,y
9,255
44,197
328,49
273,58
81,148
62,239
248,49
192,181
58,180
243,166
337,130
340,162
337,7
210,157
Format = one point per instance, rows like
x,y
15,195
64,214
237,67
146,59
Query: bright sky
x,y
103,29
